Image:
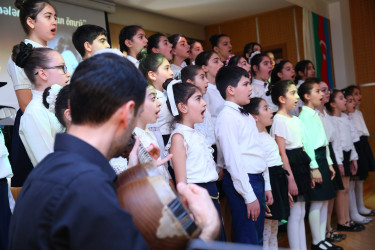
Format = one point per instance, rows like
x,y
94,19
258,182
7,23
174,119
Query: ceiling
x,y
205,12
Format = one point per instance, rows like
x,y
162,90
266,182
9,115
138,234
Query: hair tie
x,y
171,97
24,54
52,95
253,54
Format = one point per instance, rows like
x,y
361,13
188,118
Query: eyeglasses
x,y
63,67
326,90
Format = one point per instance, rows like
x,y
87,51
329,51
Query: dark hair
x,y
306,87
301,66
233,61
229,76
173,39
253,106
280,89
214,39
249,48
189,72
30,8
332,97
349,90
127,33
29,58
256,60
86,33
182,92
102,84
204,57
153,42
150,63
61,102
277,69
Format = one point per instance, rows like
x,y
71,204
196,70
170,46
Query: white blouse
x,y
177,70
5,168
327,123
119,164
164,122
38,128
343,140
200,164
17,74
259,88
214,100
133,60
271,150
146,138
207,128
289,128
359,123
353,129
239,143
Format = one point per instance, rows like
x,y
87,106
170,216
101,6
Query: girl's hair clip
x,y
252,55
52,95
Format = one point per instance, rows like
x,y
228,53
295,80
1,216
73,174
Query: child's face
x,y
139,41
257,48
272,57
340,102
182,48
291,97
163,73
151,107
195,50
325,90
224,47
310,71
196,107
287,72
45,25
242,93
265,114
263,72
350,104
201,81
316,96
56,75
357,96
242,63
213,65
165,48
99,43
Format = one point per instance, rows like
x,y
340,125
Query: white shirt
x,y
359,123
314,135
177,70
353,129
146,138
289,128
119,164
328,124
343,140
38,127
19,78
200,164
5,168
238,139
259,88
214,100
268,99
271,150
165,119
207,128
133,60
300,103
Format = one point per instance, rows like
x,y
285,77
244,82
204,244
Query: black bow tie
x,y
243,111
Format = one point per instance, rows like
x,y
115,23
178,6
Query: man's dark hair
x,y
86,33
229,76
102,84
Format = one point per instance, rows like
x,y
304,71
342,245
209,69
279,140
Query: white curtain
x,y
308,35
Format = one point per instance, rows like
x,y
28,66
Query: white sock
x,y
323,220
359,198
353,210
267,234
273,239
302,233
315,222
295,237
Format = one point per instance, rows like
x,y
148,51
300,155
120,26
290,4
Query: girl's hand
x,y
291,201
154,152
353,167
269,197
333,172
316,177
220,173
342,171
292,187
253,210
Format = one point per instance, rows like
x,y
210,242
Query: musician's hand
x,y
133,156
154,152
204,212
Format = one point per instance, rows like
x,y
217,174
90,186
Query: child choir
x,y
275,136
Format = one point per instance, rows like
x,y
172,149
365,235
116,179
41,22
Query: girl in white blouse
x,y
192,156
180,52
132,40
287,130
38,127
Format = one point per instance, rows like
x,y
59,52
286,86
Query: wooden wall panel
x,y
368,109
362,20
209,31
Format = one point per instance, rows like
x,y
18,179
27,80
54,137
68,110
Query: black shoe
x,y
331,236
317,246
347,228
355,224
333,247
372,213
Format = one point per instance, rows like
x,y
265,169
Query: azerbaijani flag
x,y
322,49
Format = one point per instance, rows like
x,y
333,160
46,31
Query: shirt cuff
x,y
267,186
314,164
249,198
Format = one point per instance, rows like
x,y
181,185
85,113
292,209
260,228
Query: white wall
x,y
155,22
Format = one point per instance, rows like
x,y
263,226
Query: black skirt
x,y
299,163
337,181
365,158
325,190
279,184
346,162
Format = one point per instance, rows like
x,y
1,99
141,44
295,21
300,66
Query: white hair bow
x,y
171,97
52,95
253,54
